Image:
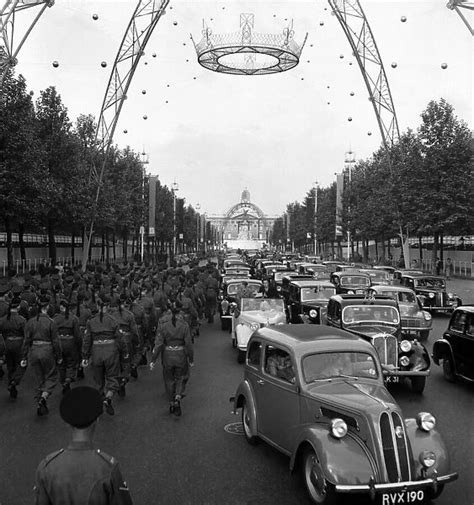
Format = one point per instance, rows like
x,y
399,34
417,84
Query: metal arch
x,y
356,27
465,4
142,23
8,50
244,205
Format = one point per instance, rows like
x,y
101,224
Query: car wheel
x,y
418,384
234,342
241,356
251,439
319,490
424,335
448,369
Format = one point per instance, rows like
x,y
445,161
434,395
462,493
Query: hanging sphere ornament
x,y
349,119
403,19
154,55
145,117
125,131
55,64
352,93
175,23
341,56
369,133
329,87
394,64
95,17
103,64
32,93
444,66
321,24
146,62
143,91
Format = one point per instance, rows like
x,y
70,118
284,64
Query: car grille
x,y
386,346
394,444
411,322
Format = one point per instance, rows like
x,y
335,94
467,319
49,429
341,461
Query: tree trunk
x,y
21,242
420,246
73,244
376,251
113,246
8,229
441,246
435,251
107,249
102,253
125,244
383,250
51,242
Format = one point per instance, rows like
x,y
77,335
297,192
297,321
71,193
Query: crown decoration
x,y
247,52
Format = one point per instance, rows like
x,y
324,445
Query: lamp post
x,y
197,227
349,161
315,186
174,188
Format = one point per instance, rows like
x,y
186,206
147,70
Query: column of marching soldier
x,y
58,321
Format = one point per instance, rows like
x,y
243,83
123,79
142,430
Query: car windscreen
x,y
278,276
262,304
317,293
232,289
400,296
430,283
338,364
370,313
352,280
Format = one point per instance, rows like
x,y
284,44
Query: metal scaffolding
x,y
457,5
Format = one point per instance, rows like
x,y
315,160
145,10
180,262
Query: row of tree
x,y
48,178
423,185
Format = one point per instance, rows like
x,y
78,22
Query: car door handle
x,y
261,382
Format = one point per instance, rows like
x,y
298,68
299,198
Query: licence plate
x,y
393,379
402,497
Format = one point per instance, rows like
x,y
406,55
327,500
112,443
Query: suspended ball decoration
x,y
32,93
143,91
329,103
369,133
341,56
166,101
321,24
351,93
350,63
55,64
403,19
125,131
194,78
167,85
444,66
349,119
145,117
187,61
311,45
146,62
329,87
309,61
394,64
184,43
175,23
154,55
302,78
103,64
95,17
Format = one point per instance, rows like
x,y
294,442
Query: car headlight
x,y
405,345
431,295
278,288
404,361
350,292
425,421
427,315
427,459
313,313
254,326
338,428
450,295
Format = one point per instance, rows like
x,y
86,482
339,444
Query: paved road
x,y
192,459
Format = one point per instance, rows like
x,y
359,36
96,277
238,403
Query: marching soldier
x,y
12,327
80,474
42,345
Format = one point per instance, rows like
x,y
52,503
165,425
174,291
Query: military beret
x,y
81,406
105,298
16,290
64,302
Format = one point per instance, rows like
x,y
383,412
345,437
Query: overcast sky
x,y
216,134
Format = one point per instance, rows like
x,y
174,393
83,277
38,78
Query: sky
x,y
277,135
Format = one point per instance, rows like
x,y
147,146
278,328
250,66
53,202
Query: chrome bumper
x,y
396,486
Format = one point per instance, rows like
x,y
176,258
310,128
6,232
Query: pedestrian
x,y
80,474
42,350
70,340
439,266
12,328
173,342
102,344
449,268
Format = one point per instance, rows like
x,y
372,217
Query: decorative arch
x,y
243,208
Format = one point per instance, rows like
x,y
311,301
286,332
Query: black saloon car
x,y
308,300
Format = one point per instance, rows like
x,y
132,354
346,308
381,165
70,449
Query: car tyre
x,y
241,356
251,439
448,369
318,488
418,384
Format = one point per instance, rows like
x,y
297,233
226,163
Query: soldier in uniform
x,y
102,343
42,345
12,328
4,304
173,342
80,474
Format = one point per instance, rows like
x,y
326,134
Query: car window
x,y
406,297
470,325
254,353
355,280
336,364
367,313
262,304
317,293
458,321
278,364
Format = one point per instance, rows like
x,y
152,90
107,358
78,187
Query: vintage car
x,y
239,271
456,348
252,314
308,300
321,272
386,268
317,395
228,298
276,280
415,320
432,292
397,275
377,277
285,283
377,319
351,282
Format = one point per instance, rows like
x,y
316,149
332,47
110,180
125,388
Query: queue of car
x,y
321,344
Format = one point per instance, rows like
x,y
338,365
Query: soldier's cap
x,y
105,298
16,290
15,302
115,301
44,300
81,406
64,302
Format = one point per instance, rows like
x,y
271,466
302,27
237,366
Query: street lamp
x,y
315,186
174,189
197,227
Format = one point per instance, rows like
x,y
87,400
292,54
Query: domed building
x,y
244,225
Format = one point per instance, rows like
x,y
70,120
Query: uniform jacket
x,y
80,475
69,326
43,329
107,329
13,327
126,321
169,335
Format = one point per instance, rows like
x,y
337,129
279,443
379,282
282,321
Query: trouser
x,y
125,350
71,356
13,357
210,310
136,350
106,368
43,362
175,372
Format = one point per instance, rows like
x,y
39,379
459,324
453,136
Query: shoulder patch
x,y
110,459
51,456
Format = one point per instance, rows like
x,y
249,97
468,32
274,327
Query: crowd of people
x,y
110,319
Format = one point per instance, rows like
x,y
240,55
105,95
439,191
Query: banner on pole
x,y
152,206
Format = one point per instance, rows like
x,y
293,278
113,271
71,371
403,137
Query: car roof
x,y
358,299
391,288
424,276
302,338
310,282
